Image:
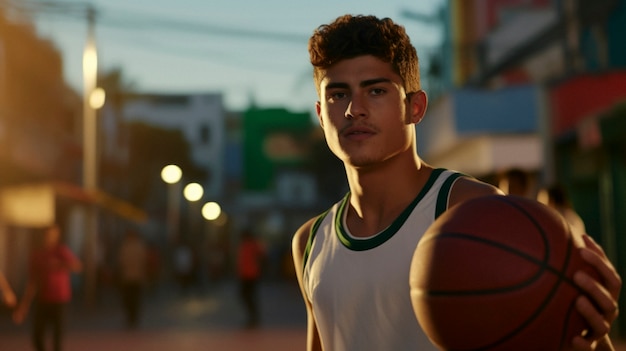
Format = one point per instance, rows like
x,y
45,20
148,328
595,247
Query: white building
x,y
200,117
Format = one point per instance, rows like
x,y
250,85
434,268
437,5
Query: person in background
x,y
249,260
132,261
48,289
352,262
556,197
7,294
184,262
515,181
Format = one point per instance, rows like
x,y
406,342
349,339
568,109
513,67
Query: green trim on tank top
x,y
444,192
309,243
380,238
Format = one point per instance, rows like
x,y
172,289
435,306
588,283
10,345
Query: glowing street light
x,y
193,192
211,211
97,98
171,174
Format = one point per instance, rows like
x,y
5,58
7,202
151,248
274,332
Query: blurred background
x,y
191,121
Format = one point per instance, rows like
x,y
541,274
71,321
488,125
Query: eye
x,y
336,96
377,91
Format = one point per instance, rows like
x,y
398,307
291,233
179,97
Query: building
x,y
200,117
552,71
41,151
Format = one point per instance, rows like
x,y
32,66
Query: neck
x,y
379,194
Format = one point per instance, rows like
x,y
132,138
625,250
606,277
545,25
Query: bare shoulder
x,y
466,188
300,238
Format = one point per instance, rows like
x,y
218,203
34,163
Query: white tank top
x,y
359,287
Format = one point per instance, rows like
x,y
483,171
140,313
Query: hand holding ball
x,y
495,273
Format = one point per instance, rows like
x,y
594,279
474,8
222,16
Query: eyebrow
x,y
365,83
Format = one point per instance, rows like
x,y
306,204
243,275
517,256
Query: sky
x,y
248,50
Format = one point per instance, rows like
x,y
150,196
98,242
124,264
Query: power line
x,y
142,21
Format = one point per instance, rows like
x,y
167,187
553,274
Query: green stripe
x,y
316,225
370,243
444,192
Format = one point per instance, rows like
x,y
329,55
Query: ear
x,y
318,110
417,104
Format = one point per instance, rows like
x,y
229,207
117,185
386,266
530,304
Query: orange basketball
x,y
495,273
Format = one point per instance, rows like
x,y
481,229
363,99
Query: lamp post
x,y
193,192
171,174
212,212
90,73
214,241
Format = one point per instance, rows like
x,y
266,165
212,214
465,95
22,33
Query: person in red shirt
x,y
249,257
48,287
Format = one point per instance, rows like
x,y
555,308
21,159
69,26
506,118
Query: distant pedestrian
x,y
249,260
515,181
184,262
556,197
132,260
49,288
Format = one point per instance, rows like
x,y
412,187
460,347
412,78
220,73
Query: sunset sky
x,y
244,49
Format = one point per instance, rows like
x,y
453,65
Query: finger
x,y
611,279
603,300
592,244
597,322
581,344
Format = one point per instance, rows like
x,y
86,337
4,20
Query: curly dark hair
x,y
351,36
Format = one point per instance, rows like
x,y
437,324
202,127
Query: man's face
x,y
363,111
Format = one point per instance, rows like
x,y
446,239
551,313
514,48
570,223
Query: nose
x,y
356,108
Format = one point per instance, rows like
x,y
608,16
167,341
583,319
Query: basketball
x,y
495,273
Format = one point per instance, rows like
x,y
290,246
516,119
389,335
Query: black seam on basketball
x,y
544,266
564,342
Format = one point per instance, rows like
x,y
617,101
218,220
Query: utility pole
x,y
90,164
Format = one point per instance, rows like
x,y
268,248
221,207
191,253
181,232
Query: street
x,y
201,319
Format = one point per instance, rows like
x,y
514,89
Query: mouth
x,y
358,132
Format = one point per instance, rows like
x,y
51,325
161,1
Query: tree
x,y
150,149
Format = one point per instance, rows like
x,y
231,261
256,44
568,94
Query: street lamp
x,y
90,76
171,174
193,192
97,98
211,211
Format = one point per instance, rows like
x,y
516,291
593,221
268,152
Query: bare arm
x,y
73,264
22,309
8,296
298,247
468,188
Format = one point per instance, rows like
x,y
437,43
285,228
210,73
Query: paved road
x,y
211,319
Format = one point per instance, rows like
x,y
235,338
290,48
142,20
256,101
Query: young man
x,y
353,261
49,286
